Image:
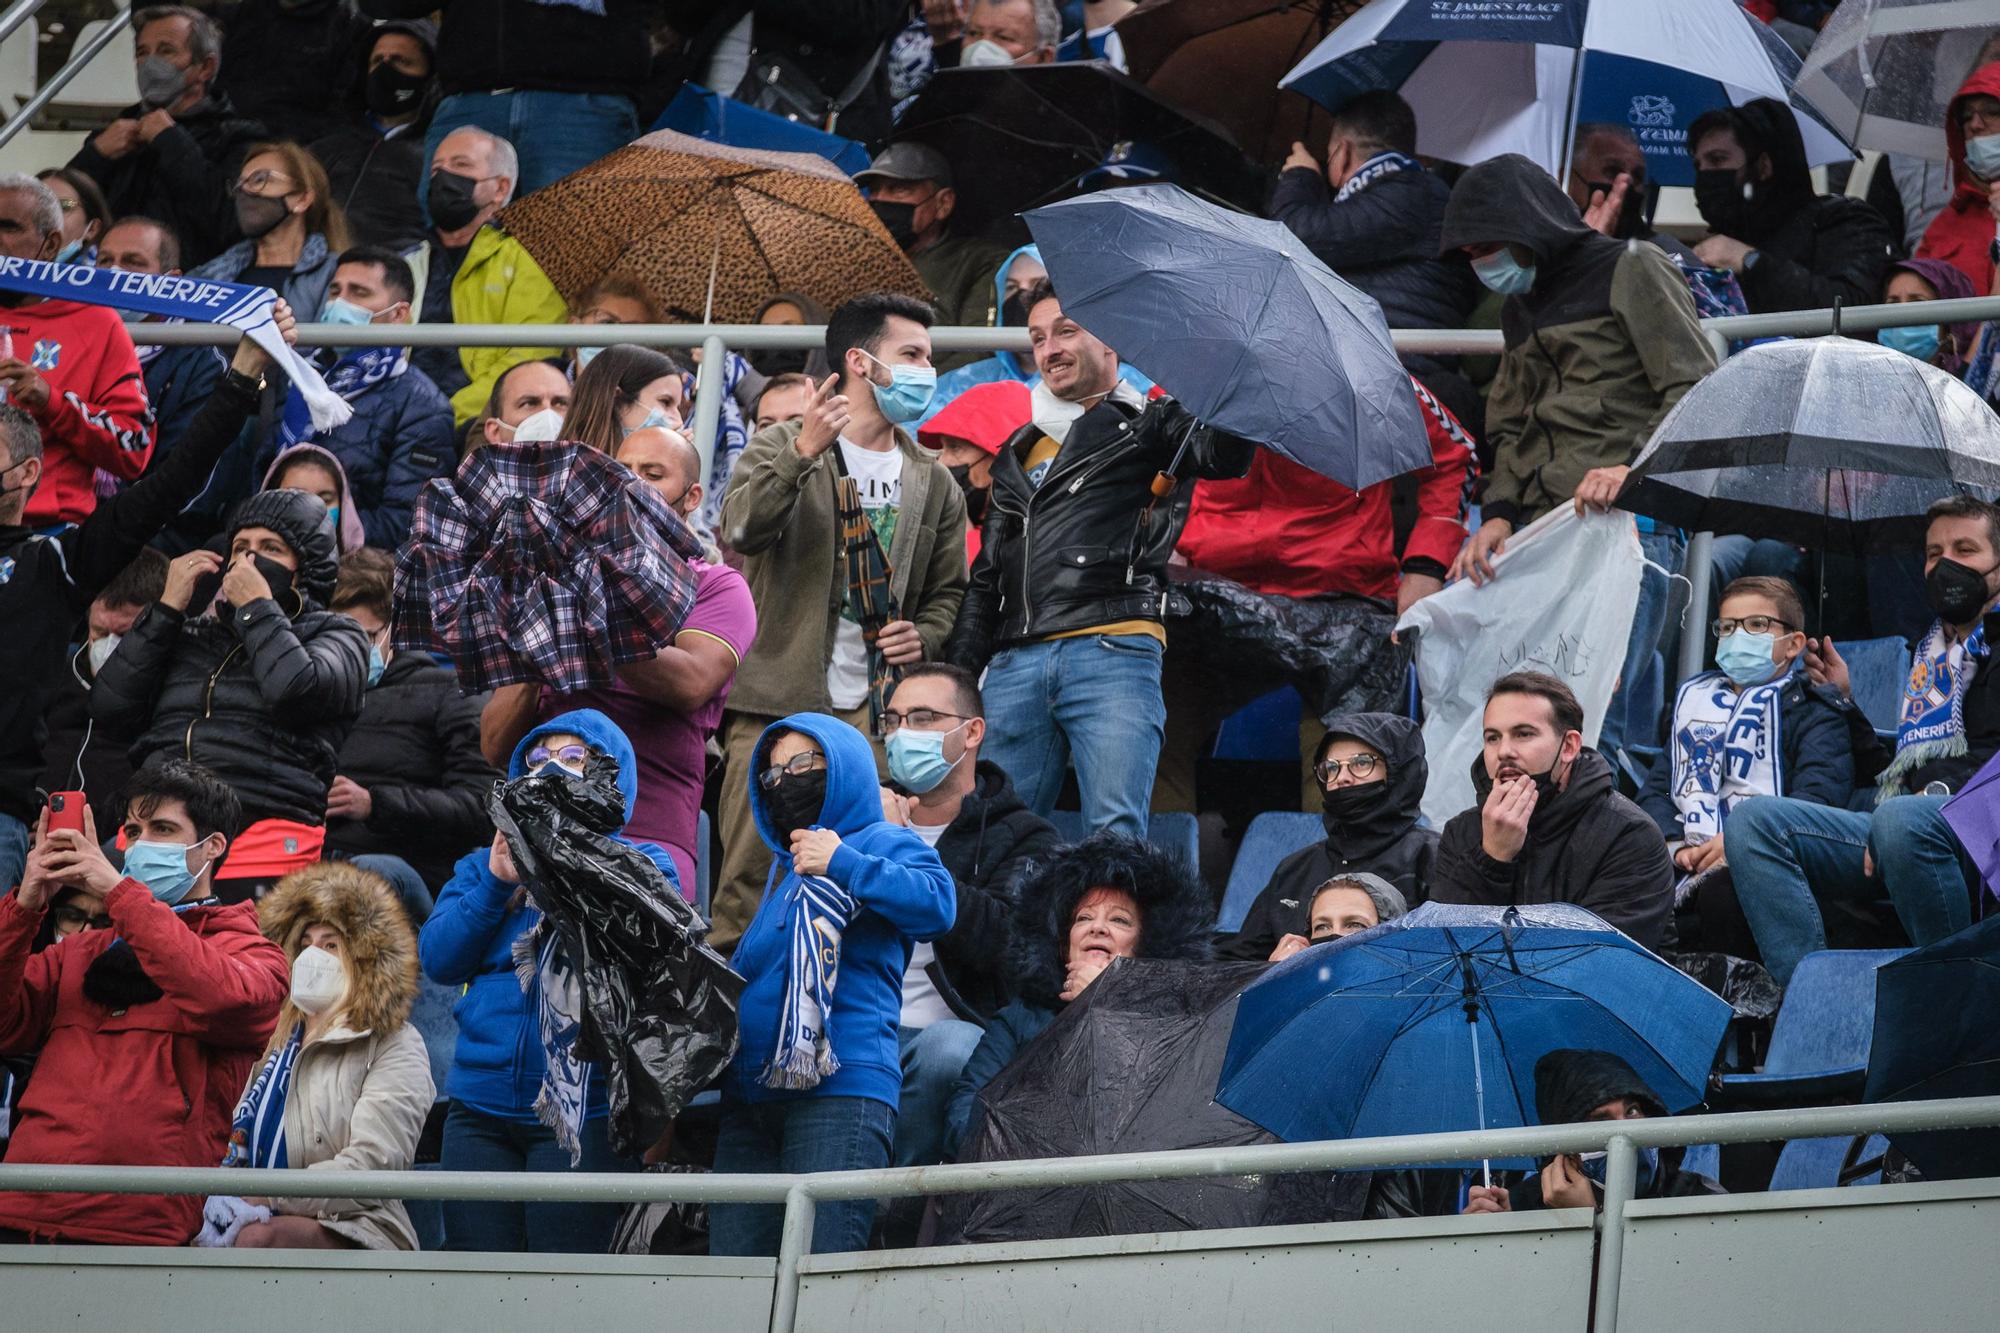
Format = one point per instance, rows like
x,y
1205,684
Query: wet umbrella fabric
x,y
1882,72
1937,1034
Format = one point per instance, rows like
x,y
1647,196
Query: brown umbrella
x,y
710,230
1223,58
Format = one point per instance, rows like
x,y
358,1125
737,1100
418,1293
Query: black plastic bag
x,y
657,1006
1240,645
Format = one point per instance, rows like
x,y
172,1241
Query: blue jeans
x,y
933,1058
410,888
1096,696
1633,717
1790,859
14,837
810,1134
477,1142
553,133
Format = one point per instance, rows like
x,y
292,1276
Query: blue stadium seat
x,y
1810,1164
1271,837
1173,831
1265,730
1819,1044
1069,824
1704,1159
1877,671
703,872
431,1016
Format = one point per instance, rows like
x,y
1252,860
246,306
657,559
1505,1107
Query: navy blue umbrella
x,y
1433,1023
1937,1034
1234,317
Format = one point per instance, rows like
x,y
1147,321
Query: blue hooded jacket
x,y
468,942
903,894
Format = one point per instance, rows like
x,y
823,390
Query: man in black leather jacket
x,y
1069,593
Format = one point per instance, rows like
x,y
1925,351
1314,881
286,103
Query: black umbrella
x,y
1937,1034
1824,442
1131,1066
1020,136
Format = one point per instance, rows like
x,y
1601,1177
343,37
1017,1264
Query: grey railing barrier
x,y
82,56
801,1194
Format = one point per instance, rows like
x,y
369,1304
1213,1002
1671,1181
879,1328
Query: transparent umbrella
x,y
1881,71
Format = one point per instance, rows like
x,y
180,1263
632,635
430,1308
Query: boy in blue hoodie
x,y
497,1068
815,1083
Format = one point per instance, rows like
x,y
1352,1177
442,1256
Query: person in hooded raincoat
x,y
1963,233
817,1080
1106,897
1371,769
499,1064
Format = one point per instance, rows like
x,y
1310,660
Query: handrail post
x,y
1698,564
708,390
20,13
78,59
794,1243
1620,1178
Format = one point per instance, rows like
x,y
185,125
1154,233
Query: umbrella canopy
x,y
705,114
1825,442
1937,1034
1034,129
542,563
1974,815
711,231
1433,1022
1234,317
1883,71
1518,78
1218,58
1129,1066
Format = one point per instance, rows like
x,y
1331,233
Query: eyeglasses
x,y
923,719
797,766
1755,624
569,756
69,205
256,181
1361,765
76,918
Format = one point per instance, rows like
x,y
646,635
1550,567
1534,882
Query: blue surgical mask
x,y
162,867
655,419
1501,274
909,393
1747,658
1647,1169
584,356
337,311
376,666
916,758
68,254
1982,155
333,516
1918,340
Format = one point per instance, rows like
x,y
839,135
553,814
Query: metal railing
x,y
80,57
801,1194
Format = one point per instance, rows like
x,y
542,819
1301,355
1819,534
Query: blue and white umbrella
x,y
1517,76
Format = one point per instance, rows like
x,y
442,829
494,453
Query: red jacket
x,y
152,1085
1284,530
1963,232
986,416
96,416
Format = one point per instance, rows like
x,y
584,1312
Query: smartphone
x,y
66,810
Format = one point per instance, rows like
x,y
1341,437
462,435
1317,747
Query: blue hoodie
x,y
468,942
903,894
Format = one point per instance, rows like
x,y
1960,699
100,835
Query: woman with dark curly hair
x,y
1101,899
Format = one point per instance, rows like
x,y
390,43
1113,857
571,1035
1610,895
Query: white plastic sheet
x,y
1561,602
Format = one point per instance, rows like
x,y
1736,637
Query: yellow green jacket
x,y
499,283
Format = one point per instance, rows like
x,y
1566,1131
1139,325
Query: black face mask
x,y
281,581
256,214
1719,195
1957,592
975,496
451,202
771,362
900,219
1014,311
795,803
1346,805
391,92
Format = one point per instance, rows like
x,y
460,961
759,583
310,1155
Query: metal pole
x,y
1698,565
708,389
16,16
1620,1179
78,59
794,1243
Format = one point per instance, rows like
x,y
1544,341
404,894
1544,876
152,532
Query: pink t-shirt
x,y
671,746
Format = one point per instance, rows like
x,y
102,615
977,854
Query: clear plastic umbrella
x,y
1882,71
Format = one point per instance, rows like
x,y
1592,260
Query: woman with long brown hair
x,y
293,231
623,389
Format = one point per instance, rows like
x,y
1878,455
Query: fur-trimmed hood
x,y
1176,913
379,947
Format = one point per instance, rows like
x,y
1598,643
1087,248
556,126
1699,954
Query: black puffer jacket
x,y
415,747
985,848
1586,845
1384,841
1089,546
260,698
1812,249
1383,238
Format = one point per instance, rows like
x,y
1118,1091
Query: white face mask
x,y
318,980
984,53
546,424
100,651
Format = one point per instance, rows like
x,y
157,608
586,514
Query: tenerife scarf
x,y
241,307
354,374
1932,724
1374,169
816,919
544,969
1727,748
257,1131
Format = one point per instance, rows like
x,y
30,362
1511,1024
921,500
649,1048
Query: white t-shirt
x,y
922,1005
879,475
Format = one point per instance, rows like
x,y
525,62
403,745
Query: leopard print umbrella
x,y
680,215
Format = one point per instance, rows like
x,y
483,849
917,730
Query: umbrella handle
x,y
1167,478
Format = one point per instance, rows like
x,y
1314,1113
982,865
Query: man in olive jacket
x,y
782,516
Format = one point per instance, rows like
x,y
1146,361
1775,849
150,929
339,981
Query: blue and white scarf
x,y
544,970
1374,169
354,374
587,6
1727,747
208,300
1932,723
257,1130
817,918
